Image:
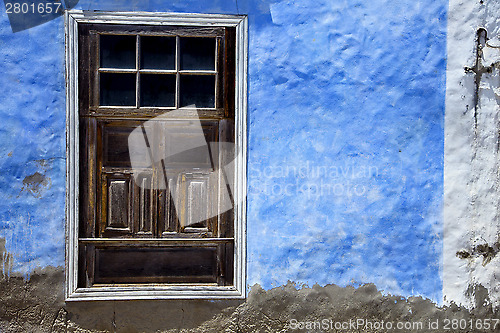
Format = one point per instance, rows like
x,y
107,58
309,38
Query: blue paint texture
x,y
32,140
346,135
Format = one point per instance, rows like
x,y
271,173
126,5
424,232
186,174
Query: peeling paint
x,y
472,153
36,184
484,250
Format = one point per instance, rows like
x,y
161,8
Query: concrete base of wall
x,y
37,305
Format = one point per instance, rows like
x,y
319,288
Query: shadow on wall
x,y
37,305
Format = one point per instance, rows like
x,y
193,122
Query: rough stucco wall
x,y
36,306
472,178
346,107
346,133
32,149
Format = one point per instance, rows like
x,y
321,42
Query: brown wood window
x,y
156,118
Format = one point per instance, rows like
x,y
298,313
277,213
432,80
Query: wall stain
x,y
480,295
485,250
488,252
45,163
479,69
36,184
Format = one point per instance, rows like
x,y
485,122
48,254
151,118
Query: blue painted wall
x,y
346,133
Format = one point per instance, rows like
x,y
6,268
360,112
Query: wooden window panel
x,y
158,264
185,263
117,207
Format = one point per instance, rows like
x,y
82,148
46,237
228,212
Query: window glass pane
x,y
116,147
117,89
198,90
157,52
197,53
157,90
115,138
117,51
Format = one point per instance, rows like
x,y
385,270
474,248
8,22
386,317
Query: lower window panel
x,y
156,265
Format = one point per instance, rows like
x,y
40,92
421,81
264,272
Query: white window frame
x,y
238,290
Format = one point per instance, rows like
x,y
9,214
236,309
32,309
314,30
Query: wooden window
x,y
159,209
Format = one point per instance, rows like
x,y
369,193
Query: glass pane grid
x,y
170,71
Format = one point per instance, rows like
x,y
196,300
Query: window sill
x,y
154,292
